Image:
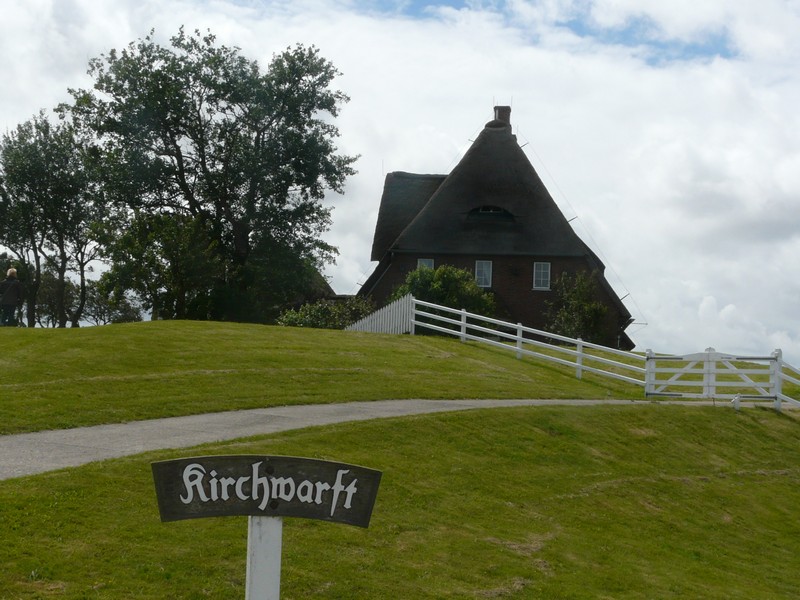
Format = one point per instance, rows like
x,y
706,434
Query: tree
x,y
49,209
103,306
196,131
21,221
575,310
52,297
448,286
164,260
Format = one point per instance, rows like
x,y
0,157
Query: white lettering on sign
x,y
207,487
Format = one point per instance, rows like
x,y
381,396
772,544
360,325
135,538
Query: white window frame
x,y
541,275
425,262
483,273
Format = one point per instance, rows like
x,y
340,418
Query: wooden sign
x,y
265,486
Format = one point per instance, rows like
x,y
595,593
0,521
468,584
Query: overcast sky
x,y
668,131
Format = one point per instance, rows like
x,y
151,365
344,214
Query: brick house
x,y
493,216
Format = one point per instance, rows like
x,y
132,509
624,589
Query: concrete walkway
x,y
31,453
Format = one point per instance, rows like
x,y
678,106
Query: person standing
x,y
10,298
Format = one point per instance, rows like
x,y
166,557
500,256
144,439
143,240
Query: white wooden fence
x,y
407,314
706,375
397,317
716,375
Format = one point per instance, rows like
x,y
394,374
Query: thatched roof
x,y
492,203
404,195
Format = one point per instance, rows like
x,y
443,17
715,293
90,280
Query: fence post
x,y
412,309
579,359
709,374
463,324
649,372
776,376
519,340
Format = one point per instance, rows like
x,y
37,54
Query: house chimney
x,y
503,113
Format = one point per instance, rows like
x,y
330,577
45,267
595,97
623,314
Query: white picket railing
x,y
706,375
397,317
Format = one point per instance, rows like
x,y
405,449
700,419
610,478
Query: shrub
x,y
328,313
448,286
575,311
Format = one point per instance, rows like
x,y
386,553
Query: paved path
x,y
31,453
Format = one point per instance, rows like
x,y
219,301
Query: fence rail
x,y
526,341
707,375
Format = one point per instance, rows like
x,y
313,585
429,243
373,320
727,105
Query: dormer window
x,y
489,212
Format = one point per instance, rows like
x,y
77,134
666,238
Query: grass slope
x,y
643,501
60,378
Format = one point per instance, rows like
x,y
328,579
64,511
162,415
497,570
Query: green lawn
x,y
55,379
643,501
640,501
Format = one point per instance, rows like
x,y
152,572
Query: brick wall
x,y
512,285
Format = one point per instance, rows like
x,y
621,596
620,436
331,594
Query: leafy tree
x,y
48,210
164,260
21,218
103,306
327,313
448,286
575,310
52,297
195,131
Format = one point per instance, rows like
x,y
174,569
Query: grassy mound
x,y
55,379
641,501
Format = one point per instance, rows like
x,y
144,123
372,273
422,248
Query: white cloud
x,y
684,174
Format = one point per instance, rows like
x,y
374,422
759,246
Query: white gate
x,y
713,375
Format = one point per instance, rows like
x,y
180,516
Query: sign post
x,y
265,489
264,542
